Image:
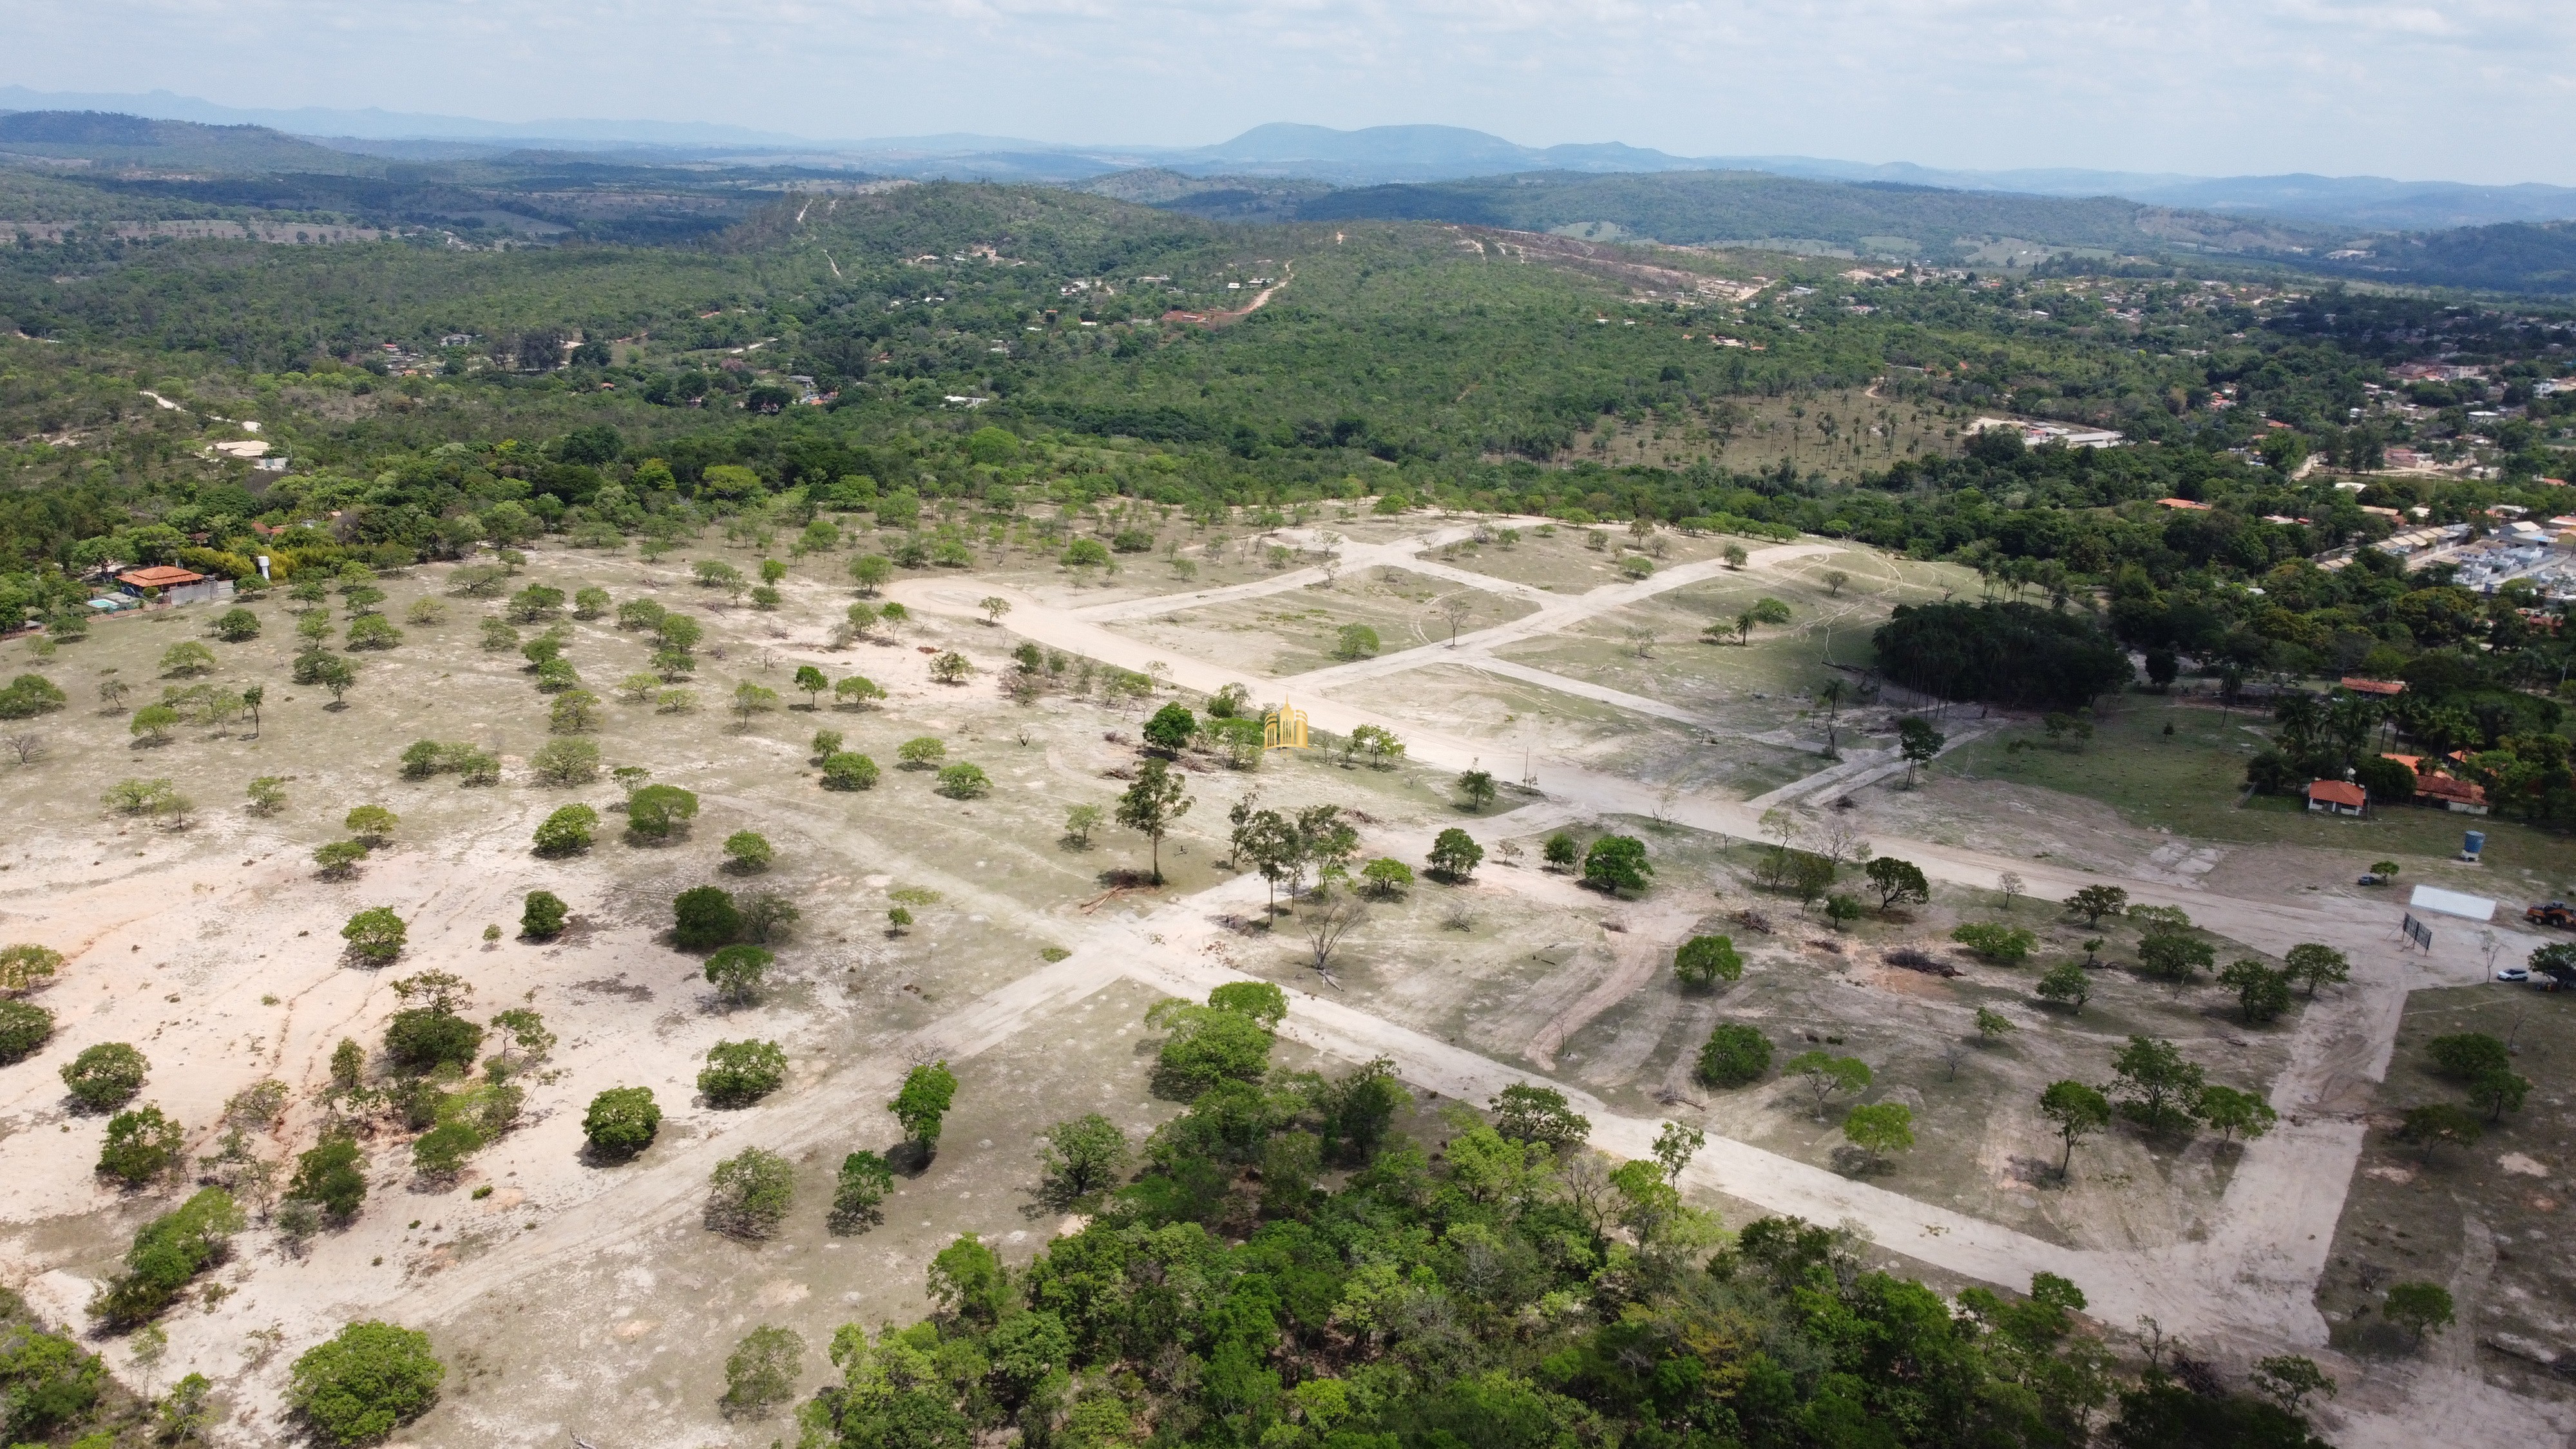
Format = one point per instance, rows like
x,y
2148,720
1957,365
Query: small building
x,y
2183,503
2372,686
2337,797
2461,797
172,584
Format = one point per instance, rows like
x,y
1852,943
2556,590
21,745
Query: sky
x,y
2467,90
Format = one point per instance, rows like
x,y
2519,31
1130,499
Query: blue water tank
x,y
2475,841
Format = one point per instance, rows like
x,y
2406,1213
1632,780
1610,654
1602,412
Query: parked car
x,y
2513,973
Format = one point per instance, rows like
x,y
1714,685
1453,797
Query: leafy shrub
x,y
142,1145
753,1192
747,851
704,917
1617,863
658,811
424,1038
24,1026
847,771
332,1175
167,1253
543,915
375,935
565,762
739,1073
567,831
964,782
621,1121
105,1077
1736,1055
30,695
737,971
1706,960
365,1381
857,1196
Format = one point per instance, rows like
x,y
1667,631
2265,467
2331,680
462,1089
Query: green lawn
x,y
2190,782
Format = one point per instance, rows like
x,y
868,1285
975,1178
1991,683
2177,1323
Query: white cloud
x,y
2474,89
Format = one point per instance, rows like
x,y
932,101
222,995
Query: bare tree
x,y
2011,885
1455,608
1328,917
1842,843
26,745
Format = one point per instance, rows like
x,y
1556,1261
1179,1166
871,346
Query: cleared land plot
x,y
2488,1221
1286,634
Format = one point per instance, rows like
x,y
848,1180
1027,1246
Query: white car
x,y
2514,973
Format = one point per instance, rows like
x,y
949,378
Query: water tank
x,y
2472,843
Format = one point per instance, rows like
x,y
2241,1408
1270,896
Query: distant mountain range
x,y
1373,156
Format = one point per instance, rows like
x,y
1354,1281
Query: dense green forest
x,y
1512,1290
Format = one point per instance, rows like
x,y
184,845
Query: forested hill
x,y
1689,207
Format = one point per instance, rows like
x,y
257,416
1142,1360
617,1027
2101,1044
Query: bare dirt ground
x,y
575,1297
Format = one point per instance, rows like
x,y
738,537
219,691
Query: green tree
x,y
2316,965
1617,864
621,1122
844,770
1082,1158
1355,641
1993,1025
704,916
1880,1129
105,1077
1387,877
2066,985
152,723
2261,992
856,690
1206,1045
858,1194
739,1073
567,831
1527,1113
339,859
332,1175
1826,1074
747,851
236,625
2077,1111
565,762
364,1382
2095,902
2233,1112
1703,961
1897,882
1478,787
24,966
2158,1084
375,935
922,1104
2001,944
656,812
1918,744
813,682
2468,1055
1158,798
2438,1123
751,1194
963,781
923,752
1735,1055
2173,958
542,916
141,1146
869,571
372,824
2499,1091
1455,855
1172,728
2418,1308
187,657
737,972
762,1370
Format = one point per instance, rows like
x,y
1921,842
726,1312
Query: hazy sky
x,y
2465,89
